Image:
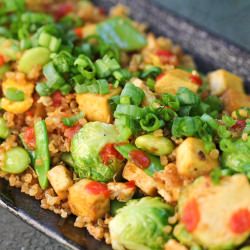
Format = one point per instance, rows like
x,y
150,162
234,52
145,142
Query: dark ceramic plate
x,y
209,51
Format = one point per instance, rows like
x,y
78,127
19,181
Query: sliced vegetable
x,y
128,229
14,95
42,161
16,161
120,32
32,58
71,121
4,130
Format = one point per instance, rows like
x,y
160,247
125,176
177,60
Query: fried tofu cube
x,y
221,80
173,80
234,100
146,183
95,106
89,199
192,160
60,179
17,107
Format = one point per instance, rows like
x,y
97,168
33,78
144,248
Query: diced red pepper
x,y
167,57
79,32
139,158
240,221
63,10
130,184
160,76
2,60
191,215
239,125
97,188
71,131
195,79
109,153
57,99
29,137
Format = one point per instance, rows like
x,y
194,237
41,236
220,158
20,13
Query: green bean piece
x,y
4,130
16,160
156,145
42,160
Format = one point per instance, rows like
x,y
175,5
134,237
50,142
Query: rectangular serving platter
x,y
210,52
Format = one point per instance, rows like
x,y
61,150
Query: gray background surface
x,y
228,18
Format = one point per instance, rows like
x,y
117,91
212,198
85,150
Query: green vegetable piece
x,y
131,111
136,94
154,144
140,225
85,149
42,160
3,69
150,122
115,205
9,48
33,57
16,160
120,32
71,121
125,149
4,130
14,95
67,158
236,155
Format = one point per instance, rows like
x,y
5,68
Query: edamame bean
x,y
4,130
16,160
154,145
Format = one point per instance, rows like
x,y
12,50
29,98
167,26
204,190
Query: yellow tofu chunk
x,y
221,80
60,179
192,160
95,106
83,202
146,183
234,99
14,106
173,80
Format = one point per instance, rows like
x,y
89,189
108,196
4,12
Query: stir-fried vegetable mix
x,y
104,121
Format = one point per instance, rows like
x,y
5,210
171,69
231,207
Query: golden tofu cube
x,y
192,160
60,179
95,106
86,204
146,183
173,80
17,107
221,80
234,100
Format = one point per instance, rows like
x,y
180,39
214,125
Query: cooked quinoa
x,y
102,120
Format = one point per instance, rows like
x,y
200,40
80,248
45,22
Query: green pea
x,y
4,130
154,144
16,160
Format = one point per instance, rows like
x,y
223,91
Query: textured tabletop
x,y
17,235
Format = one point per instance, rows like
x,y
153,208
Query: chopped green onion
x,y
151,122
48,41
42,89
63,61
81,88
14,95
136,94
129,110
151,84
85,66
66,89
71,121
210,121
187,97
55,80
103,86
151,71
171,101
125,100
228,121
